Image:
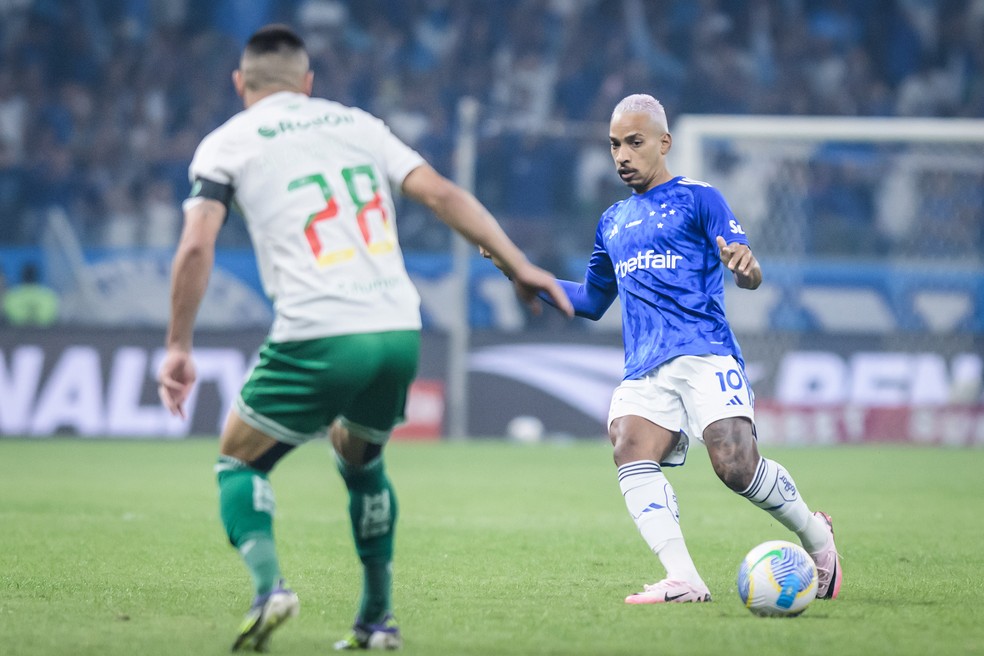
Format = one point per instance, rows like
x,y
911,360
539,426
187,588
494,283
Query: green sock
x,y
246,505
377,584
260,556
373,511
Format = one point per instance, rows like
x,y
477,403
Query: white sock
x,y
652,504
774,491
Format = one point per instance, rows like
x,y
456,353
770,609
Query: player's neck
x,y
250,98
662,178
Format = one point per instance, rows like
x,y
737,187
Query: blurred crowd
x,y
102,102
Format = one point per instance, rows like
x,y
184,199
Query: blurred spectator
x,y
122,223
3,294
30,303
161,215
649,42
54,181
721,73
524,84
929,91
533,177
13,116
11,193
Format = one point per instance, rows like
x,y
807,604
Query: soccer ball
x,y
777,579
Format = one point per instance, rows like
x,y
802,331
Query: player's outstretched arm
x,y
589,299
466,215
740,261
190,272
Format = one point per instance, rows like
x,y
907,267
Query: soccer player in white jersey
x,y
660,253
312,179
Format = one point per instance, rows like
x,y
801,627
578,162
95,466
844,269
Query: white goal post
x,y
691,129
905,167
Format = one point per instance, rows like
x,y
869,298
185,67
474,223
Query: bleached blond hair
x,y
642,103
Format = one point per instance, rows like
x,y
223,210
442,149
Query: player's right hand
x,y
175,380
529,280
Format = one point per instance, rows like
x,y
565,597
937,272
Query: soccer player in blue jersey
x,y
660,253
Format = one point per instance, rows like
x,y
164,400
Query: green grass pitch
x,y
114,547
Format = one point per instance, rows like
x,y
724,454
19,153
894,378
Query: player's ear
x,y
238,82
308,84
666,142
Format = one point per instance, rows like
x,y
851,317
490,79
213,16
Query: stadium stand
x,y
102,102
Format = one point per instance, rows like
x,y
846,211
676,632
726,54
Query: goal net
x,y
866,225
908,189
871,235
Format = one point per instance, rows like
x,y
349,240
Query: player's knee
x,y
733,453
631,445
734,474
625,445
356,445
271,457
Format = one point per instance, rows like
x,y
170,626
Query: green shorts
x,y
297,389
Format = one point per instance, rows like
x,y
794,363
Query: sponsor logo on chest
x,y
647,260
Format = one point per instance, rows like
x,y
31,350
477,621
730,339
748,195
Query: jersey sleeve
x,y
599,290
212,172
215,160
600,273
589,300
717,218
398,158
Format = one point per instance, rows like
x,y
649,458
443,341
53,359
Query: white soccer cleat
x,y
268,612
383,635
670,591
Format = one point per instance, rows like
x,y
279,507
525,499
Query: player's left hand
x,y
737,256
176,378
739,259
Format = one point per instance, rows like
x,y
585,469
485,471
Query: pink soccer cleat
x,y
829,572
670,591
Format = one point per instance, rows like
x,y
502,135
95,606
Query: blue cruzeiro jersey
x,y
658,252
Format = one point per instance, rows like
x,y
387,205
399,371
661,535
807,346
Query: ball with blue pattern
x,y
777,579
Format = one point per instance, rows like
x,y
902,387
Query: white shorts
x,y
686,394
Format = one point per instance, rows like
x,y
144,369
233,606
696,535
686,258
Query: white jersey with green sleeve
x,y
313,178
